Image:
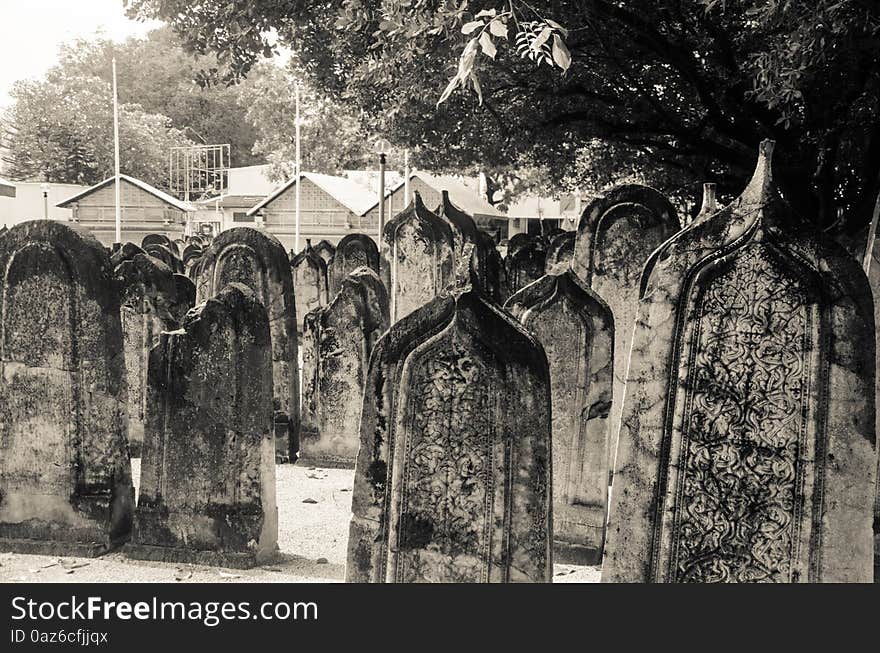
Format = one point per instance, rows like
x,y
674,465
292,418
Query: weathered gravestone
x,y
420,249
746,448
525,262
192,253
164,254
326,250
337,343
65,480
153,299
576,328
207,491
453,472
352,252
616,235
259,261
560,251
490,268
309,280
464,230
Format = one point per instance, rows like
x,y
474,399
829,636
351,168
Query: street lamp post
x,y
382,148
45,188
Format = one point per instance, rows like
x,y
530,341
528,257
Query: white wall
x,y
28,202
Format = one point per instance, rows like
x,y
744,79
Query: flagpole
x,y
298,173
116,156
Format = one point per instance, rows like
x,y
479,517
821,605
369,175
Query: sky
x,y
31,31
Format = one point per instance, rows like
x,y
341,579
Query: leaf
x,y
542,38
561,55
486,12
557,26
487,45
467,28
498,28
476,82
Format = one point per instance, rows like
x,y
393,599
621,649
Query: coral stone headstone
x,y
525,262
258,260
326,250
746,449
341,337
616,235
453,472
490,268
309,280
560,251
207,491
352,252
420,248
577,331
65,480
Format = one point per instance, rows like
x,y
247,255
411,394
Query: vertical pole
x,y
298,174
45,205
405,178
381,197
116,156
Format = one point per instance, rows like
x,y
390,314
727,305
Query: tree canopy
x,y
674,92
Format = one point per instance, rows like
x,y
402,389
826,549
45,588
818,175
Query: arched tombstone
x,y
258,260
420,250
191,255
490,268
517,242
352,252
309,280
615,237
747,441
340,338
453,472
65,479
525,262
151,301
164,254
155,239
560,251
576,328
326,250
207,491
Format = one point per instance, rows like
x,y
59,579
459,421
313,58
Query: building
x,y
536,215
144,210
33,200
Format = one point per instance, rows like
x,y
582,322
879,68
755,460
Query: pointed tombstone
x,y
309,279
576,328
616,235
490,268
420,250
258,260
326,250
525,263
341,337
352,252
207,492
747,440
560,251
150,304
65,480
453,472
464,230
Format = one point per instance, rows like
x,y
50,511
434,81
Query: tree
x,y
61,130
675,92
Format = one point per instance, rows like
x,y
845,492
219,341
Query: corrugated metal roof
x,y
144,186
7,188
352,195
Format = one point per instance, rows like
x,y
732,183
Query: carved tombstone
x,y
65,480
352,252
309,280
152,300
259,261
340,338
576,328
453,472
420,249
616,235
490,268
326,250
747,440
207,492
464,230
560,251
525,263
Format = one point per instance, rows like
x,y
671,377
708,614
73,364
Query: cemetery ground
x,y
314,509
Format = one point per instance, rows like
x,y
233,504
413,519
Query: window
x,y
242,217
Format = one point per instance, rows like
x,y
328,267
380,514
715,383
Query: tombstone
x,y
65,480
576,328
746,450
155,239
525,263
309,280
874,278
340,337
560,251
207,492
164,254
490,268
326,250
259,261
420,250
151,301
464,230
191,255
453,472
517,242
352,252
616,235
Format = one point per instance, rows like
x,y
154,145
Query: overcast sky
x,y
31,32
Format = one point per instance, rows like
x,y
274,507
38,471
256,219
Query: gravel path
x,y
311,538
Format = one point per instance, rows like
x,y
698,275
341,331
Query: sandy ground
x,y
311,537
